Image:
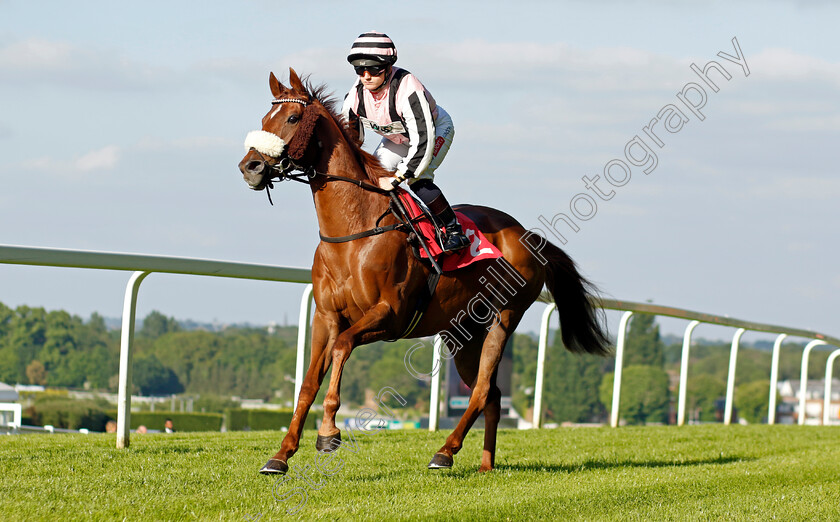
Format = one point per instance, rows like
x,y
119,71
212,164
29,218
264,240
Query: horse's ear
x,y
276,87
294,81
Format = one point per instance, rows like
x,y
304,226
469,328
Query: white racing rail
x,y
697,318
9,430
143,265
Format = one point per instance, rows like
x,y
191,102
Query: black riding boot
x,y
453,237
429,193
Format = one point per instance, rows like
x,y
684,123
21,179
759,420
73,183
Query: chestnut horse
x,y
367,289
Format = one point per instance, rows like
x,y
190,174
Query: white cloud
x,y
600,69
35,54
808,188
42,164
39,61
788,92
250,71
789,65
192,143
631,81
801,247
97,160
820,122
108,157
102,159
810,292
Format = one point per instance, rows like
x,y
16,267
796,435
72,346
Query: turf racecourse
x,y
710,472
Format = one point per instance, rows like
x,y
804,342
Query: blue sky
x,y
121,128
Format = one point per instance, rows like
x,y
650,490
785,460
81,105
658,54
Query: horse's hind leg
x,y
483,385
492,414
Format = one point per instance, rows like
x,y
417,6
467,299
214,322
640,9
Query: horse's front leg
x,y
324,333
375,321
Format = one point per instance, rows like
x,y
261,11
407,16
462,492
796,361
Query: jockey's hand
x,y
388,183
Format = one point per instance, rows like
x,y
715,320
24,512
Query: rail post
x,y
304,339
774,379
126,345
619,363
730,382
829,367
684,371
803,377
536,417
434,399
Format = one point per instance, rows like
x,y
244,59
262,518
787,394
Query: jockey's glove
x,y
399,178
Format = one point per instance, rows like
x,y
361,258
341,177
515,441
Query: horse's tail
x,y
581,321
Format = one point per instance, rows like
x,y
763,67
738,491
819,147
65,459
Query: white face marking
x,y
275,111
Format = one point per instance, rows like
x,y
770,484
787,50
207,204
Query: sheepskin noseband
x,y
265,143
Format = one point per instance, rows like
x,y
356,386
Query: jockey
x,y
416,132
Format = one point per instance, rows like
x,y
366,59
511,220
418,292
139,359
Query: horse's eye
x,y
293,118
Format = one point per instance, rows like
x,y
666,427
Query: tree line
x,y
58,349
55,348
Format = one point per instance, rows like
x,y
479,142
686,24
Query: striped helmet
x,y
373,48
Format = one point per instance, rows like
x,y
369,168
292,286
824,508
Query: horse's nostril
x,y
254,167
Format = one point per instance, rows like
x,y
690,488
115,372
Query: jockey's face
x,y
371,82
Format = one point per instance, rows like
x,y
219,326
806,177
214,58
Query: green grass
x,y
708,472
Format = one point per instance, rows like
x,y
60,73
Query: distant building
x,y
29,388
813,390
814,400
8,393
10,412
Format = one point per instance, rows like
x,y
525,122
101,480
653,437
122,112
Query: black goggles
x,y
374,70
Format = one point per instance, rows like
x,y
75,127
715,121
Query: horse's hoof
x,y
440,461
274,467
329,443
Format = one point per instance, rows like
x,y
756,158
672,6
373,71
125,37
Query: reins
x,y
286,166
284,171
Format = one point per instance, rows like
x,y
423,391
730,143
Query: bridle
x,y
285,166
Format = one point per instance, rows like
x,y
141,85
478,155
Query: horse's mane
x,y
369,163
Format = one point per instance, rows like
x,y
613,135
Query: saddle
x,y
480,247
425,241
